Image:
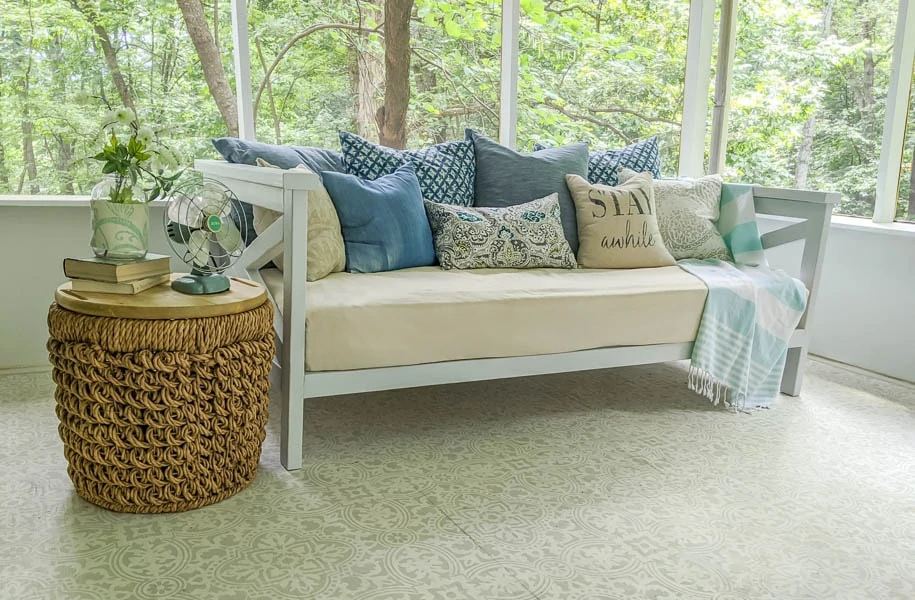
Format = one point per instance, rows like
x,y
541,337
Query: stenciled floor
x,y
609,484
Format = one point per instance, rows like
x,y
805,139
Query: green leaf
x,y
452,28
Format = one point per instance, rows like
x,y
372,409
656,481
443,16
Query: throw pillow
x,y
617,225
506,178
383,221
326,253
604,164
525,236
687,215
246,152
445,171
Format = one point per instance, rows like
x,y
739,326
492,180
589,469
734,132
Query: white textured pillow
x,y
688,210
326,253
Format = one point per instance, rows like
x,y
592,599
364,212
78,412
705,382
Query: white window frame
x,y
897,107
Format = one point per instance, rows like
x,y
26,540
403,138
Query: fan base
x,y
199,285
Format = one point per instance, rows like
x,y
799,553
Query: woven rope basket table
x,y
161,414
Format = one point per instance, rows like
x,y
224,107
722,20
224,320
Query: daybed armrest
x,y
807,215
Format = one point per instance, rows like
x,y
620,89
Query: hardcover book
x,y
103,269
125,287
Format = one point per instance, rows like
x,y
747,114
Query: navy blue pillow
x,y
445,171
383,222
640,157
246,152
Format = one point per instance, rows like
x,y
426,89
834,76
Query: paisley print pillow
x,y
524,236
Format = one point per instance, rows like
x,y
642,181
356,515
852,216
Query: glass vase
x,y
120,220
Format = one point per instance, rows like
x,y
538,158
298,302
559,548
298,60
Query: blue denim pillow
x,y
640,157
445,171
383,221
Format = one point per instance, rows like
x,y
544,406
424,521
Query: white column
x,y
508,96
696,87
727,41
242,70
897,103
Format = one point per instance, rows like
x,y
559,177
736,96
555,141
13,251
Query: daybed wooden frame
x,y
807,215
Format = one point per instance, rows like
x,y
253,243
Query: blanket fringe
x,y
704,383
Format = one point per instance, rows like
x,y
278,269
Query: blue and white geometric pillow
x,y
445,171
640,157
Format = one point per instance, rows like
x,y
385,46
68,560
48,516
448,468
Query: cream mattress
x,y
423,315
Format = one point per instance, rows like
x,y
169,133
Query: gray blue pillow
x,y
246,152
445,171
506,178
603,165
383,221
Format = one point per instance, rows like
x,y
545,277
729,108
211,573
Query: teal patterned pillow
x,y
524,236
445,171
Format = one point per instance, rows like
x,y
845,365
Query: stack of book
x,y
117,276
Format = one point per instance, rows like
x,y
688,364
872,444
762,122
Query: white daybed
x,y
427,326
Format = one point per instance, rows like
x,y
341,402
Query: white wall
x,y
33,243
865,314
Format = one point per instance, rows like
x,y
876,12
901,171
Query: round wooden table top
x,y
162,302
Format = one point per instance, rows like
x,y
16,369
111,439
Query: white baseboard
x,y
860,370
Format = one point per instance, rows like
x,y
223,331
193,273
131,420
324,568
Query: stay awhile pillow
x,y
604,164
688,211
525,236
617,226
507,178
445,171
383,222
326,252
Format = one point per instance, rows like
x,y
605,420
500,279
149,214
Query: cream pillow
x,y
326,252
617,227
687,212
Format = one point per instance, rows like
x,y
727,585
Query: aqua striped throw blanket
x,y
750,313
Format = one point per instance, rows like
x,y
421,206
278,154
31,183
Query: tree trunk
x,y
111,59
4,174
368,71
64,163
276,120
910,211
392,116
211,63
28,155
805,148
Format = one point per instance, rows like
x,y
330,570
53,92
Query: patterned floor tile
x,y
611,484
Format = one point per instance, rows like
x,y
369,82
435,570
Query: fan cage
x,y
188,225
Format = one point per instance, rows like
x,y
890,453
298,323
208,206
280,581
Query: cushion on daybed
x,y
326,252
422,315
525,236
506,178
603,165
383,222
687,212
617,225
445,171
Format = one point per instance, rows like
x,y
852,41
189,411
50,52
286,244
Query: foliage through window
x,y
609,73
809,95
905,208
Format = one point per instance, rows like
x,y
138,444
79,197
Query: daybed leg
x,y
793,376
293,425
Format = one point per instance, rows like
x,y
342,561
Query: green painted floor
x,y
609,484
